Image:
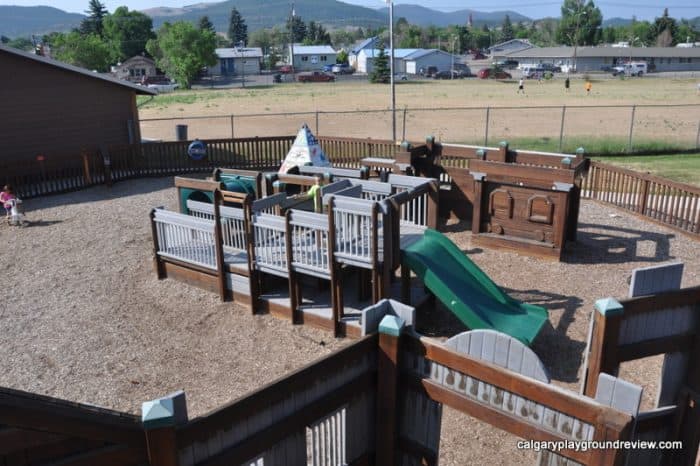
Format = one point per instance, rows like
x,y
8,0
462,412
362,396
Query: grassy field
x,y
679,167
600,121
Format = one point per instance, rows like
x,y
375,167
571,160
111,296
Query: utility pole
x,y
291,38
391,69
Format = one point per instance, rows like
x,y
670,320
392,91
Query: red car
x,y
285,69
491,73
315,77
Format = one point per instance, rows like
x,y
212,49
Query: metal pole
x,y
391,70
232,126
697,137
403,137
561,128
486,135
629,143
316,122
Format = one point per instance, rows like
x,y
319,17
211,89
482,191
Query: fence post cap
x,y
580,151
609,307
391,325
566,161
167,411
429,139
503,143
481,153
405,145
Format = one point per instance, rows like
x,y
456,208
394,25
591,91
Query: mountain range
x,y
16,21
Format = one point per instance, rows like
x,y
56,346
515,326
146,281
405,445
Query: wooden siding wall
x,y
37,429
54,112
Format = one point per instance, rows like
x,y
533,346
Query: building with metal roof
x,y
312,57
239,61
602,58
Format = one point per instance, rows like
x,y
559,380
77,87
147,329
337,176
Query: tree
x,y
579,23
507,32
342,56
4,39
93,23
316,34
664,30
182,50
127,32
21,43
205,24
237,29
88,51
297,28
381,72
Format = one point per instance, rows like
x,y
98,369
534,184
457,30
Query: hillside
x,y
22,21
416,14
267,13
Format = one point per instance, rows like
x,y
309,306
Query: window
x,y
323,58
304,58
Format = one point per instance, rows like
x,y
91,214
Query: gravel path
x,y
83,317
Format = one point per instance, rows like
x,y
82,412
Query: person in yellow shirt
x,y
588,87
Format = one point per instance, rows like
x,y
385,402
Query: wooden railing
x,y
664,201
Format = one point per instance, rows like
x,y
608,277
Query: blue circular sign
x,y
197,150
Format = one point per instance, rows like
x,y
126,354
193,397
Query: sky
x,y
643,9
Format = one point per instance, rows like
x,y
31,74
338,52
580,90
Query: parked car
x,y
428,72
493,73
315,76
342,68
533,72
286,69
400,77
638,68
507,64
327,68
551,67
159,83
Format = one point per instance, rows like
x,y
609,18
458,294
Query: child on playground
x,y
588,87
6,196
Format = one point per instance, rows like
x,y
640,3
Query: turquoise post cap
x,y
566,161
609,307
430,139
580,151
405,145
279,184
391,325
481,153
503,143
168,411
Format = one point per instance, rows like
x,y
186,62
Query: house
x,y
371,43
312,57
52,109
422,59
237,61
510,46
135,69
408,61
597,58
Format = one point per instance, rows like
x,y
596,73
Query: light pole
x,y
391,69
629,64
578,25
452,69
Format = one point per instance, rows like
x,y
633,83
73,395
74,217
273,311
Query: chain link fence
x,y
599,129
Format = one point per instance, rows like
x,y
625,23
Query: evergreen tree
x,y
507,32
237,29
206,25
664,30
297,28
93,23
316,34
579,23
381,72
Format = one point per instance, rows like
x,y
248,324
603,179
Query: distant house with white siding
x,y
312,57
237,61
422,59
134,69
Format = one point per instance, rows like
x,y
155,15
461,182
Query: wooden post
x,y
336,293
160,417
476,208
561,127
219,246
629,143
86,167
160,269
433,205
390,329
642,201
253,281
486,126
294,288
107,164
603,344
502,152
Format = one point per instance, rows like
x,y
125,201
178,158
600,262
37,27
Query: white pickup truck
x,y
635,68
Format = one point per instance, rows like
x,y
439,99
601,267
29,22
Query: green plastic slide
x,y
468,292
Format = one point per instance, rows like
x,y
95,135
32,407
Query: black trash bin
x,y
181,132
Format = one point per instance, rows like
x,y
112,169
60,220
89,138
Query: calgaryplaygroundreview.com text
x,y
577,445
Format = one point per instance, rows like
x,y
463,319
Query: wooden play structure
x,y
523,201
237,245
379,401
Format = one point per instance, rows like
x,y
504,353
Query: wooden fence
x,y
664,201
36,429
